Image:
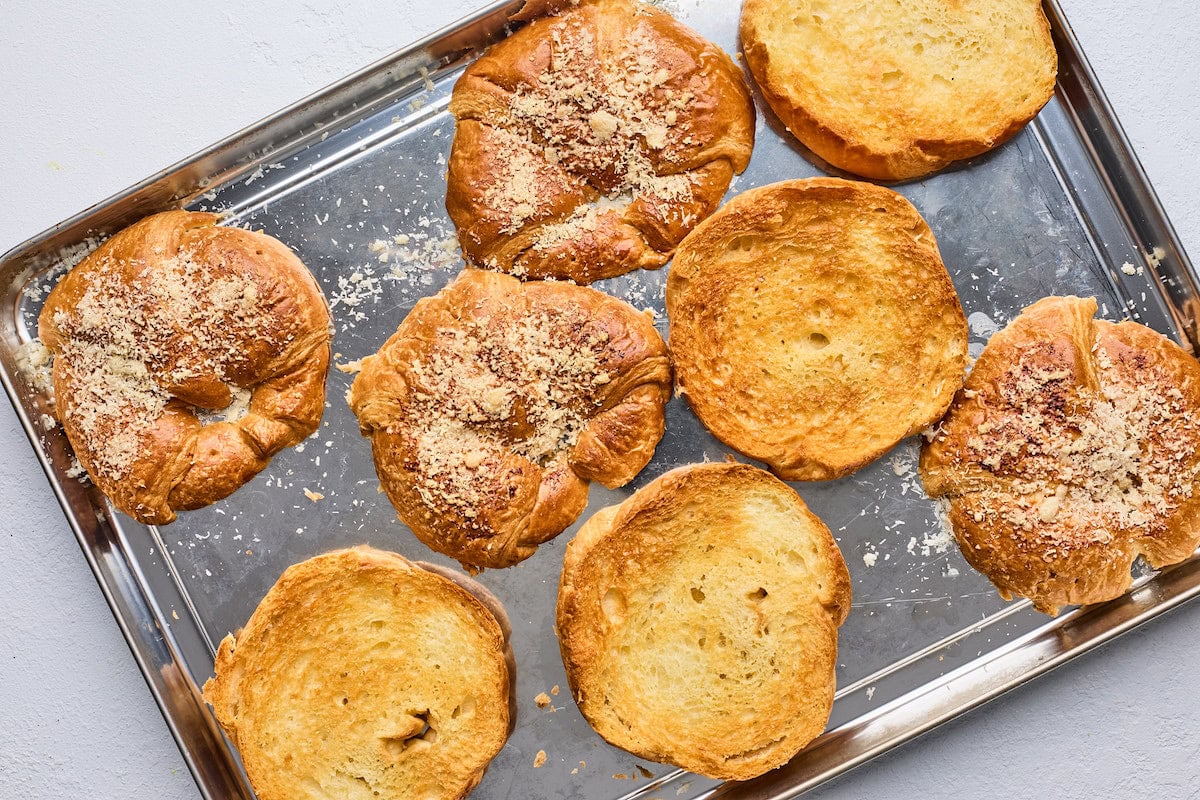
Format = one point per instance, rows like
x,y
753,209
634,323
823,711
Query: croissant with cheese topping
x,y
1071,450
588,144
186,354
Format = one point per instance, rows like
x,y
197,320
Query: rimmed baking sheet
x,y
353,180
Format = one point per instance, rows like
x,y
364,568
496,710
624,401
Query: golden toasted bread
x,y
186,354
586,145
497,402
1073,448
363,676
896,90
813,325
698,621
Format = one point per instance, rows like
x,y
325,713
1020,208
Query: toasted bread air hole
x,y
817,341
464,709
614,605
741,244
758,594
697,594
415,733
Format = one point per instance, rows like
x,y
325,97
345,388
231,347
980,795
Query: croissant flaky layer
x,y
589,144
186,354
495,403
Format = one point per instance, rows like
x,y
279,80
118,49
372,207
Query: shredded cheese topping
x,y
512,382
1078,464
127,344
609,118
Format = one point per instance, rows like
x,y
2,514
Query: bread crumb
x,y
351,367
426,81
542,700
539,759
554,691
870,558
647,774
311,495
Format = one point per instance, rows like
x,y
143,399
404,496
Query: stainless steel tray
x,y
1063,208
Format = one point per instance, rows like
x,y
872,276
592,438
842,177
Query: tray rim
x,y
154,645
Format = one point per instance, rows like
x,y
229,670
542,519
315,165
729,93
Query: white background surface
x,y
95,97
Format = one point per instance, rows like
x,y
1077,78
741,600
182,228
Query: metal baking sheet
x,y
353,180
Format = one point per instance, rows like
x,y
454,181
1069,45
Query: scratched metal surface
x,y
1011,228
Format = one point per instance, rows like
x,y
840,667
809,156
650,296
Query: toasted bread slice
x,y
813,325
893,90
361,676
1073,448
698,621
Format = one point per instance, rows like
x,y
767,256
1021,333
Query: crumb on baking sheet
x,y
539,759
33,362
542,700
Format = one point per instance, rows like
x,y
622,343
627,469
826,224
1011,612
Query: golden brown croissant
x,y
172,317
496,402
1073,448
588,144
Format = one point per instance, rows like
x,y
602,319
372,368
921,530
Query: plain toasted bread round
x,y
698,621
186,354
588,144
364,676
813,325
897,90
495,404
1073,448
